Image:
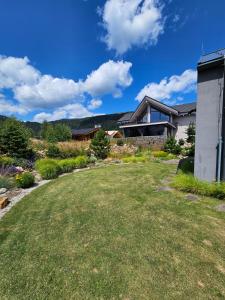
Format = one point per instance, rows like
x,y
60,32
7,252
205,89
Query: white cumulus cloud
x,y
15,71
132,23
94,104
47,92
164,90
33,90
70,111
110,78
8,108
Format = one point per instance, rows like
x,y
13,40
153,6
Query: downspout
x,y
220,143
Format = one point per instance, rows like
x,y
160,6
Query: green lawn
x,y
108,234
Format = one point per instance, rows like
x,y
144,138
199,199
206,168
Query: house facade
x,y
210,121
154,118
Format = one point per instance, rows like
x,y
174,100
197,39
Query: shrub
x,y
25,180
67,165
81,161
160,154
92,159
24,163
48,168
120,142
7,182
14,139
53,151
181,142
6,161
190,184
186,165
172,146
134,159
57,133
71,153
100,145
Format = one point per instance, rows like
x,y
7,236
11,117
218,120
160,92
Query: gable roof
x,y
84,131
126,117
185,108
180,108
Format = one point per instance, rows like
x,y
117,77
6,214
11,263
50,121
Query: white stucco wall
x,y
182,125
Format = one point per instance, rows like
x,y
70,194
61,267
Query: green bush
x,y
160,154
53,151
55,133
6,161
48,168
172,146
100,145
181,142
71,153
6,182
14,139
25,180
67,165
120,142
135,159
190,184
81,161
186,165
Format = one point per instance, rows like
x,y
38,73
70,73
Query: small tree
x,y
100,144
14,138
57,133
191,139
190,133
172,146
62,133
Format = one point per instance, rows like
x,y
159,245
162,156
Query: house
x,y
154,118
84,134
210,121
114,134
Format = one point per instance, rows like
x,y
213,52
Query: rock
x,y
220,207
3,191
3,202
191,197
164,189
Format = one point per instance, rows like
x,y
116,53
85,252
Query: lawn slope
x,y
108,234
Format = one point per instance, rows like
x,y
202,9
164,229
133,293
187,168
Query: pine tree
x,y
14,138
100,144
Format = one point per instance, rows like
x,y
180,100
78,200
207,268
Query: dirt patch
x,y
207,243
220,207
191,197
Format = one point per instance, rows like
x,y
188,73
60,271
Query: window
x,y
143,117
158,116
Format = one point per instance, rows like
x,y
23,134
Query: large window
x,y
158,116
143,117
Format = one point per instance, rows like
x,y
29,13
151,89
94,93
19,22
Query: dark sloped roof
x,y
126,117
83,131
185,108
181,108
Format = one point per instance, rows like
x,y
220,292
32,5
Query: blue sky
x,y
75,58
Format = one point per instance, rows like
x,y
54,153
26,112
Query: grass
x,y
107,233
189,183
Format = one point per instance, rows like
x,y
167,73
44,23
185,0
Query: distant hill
x,y
107,122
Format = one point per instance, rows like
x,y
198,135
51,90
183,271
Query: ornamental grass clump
x,y
67,165
6,161
190,184
81,161
135,159
48,168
